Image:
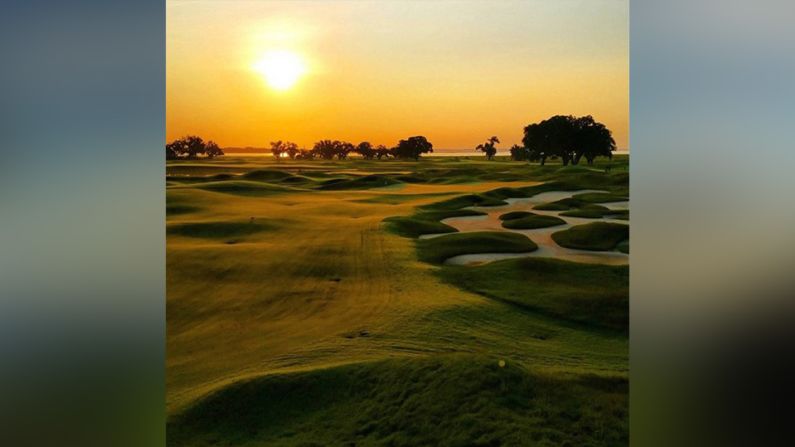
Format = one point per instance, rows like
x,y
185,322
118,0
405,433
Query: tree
x,y
488,147
519,153
305,154
172,150
324,149
382,151
365,149
593,139
291,149
190,147
212,150
343,148
413,147
278,149
569,138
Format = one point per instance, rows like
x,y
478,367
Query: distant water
x,y
435,153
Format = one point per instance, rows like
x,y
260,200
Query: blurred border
x,y
81,191
82,200
713,221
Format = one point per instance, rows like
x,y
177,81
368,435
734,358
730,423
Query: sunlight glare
x,y
281,69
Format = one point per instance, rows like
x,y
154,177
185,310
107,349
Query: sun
x,y
281,69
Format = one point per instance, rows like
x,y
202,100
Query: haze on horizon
x,y
249,72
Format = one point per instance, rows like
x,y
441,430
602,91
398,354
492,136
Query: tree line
x,y
410,148
566,137
191,147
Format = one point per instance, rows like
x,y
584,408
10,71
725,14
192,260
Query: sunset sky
x,y
245,73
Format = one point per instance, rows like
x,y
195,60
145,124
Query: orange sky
x,y
456,72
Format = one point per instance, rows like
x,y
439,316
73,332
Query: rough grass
x,y
242,187
596,236
426,222
363,182
291,299
533,221
465,201
219,230
453,400
436,250
516,215
599,197
267,175
596,295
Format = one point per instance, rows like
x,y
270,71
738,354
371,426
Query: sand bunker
x,y
541,236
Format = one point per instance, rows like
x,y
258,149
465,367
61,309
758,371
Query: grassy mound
x,y
363,182
598,297
597,236
516,215
465,201
242,188
426,222
451,400
180,209
533,221
267,175
219,230
599,197
437,249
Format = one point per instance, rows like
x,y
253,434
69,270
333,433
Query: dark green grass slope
x,y
596,236
426,222
532,221
591,294
241,187
220,230
436,250
449,400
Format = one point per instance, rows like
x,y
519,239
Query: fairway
x,y
312,303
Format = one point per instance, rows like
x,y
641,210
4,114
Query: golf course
x,y
445,301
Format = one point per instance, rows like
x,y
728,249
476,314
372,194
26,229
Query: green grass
x,y
533,221
258,331
592,294
426,222
241,187
599,197
180,209
465,201
436,250
515,215
219,230
596,236
363,182
623,246
449,400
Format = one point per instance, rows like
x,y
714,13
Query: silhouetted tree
x,y
382,151
365,149
569,138
191,147
592,139
412,147
292,149
519,153
325,149
488,147
281,148
305,154
172,150
212,150
343,148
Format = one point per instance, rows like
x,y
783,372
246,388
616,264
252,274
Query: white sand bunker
x,y
542,236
